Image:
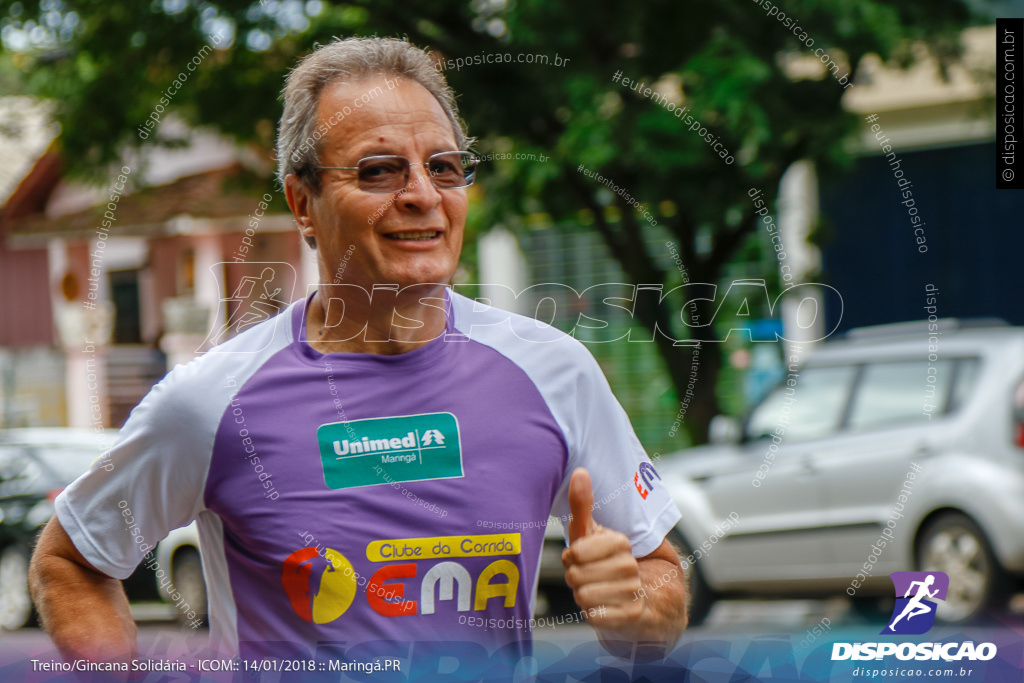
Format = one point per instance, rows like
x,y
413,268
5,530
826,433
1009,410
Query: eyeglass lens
x,y
448,170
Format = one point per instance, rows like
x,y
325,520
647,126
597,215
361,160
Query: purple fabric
x,y
514,459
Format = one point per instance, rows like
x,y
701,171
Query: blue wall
x,y
975,239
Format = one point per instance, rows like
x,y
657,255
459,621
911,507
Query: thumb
x,y
581,505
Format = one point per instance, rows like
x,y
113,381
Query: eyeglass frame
x,y
408,170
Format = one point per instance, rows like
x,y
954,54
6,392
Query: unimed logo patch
x,y
388,449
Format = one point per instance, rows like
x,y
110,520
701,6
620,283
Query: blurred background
x,y
159,118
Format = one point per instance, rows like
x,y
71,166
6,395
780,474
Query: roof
x,y
949,335
25,134
225,193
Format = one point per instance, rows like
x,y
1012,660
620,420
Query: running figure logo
x,y
914,613
253,299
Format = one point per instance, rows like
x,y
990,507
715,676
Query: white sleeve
x,y
155,477
629,495
151,483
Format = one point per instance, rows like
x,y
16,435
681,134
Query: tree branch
x,y
615,242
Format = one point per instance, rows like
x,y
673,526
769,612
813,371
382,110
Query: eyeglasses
x,y
390,173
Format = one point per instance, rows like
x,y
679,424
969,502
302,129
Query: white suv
x,y
896,433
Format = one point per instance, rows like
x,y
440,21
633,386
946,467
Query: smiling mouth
x,y
418,235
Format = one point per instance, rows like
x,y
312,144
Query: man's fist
x,y
599,563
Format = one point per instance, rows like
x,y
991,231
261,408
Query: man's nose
x,y
420,191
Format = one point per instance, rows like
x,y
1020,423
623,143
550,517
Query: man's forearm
x,y
85,612
664,617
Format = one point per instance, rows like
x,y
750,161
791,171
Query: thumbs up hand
x,y
581,505
599,564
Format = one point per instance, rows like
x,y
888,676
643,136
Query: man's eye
x,y
379,170
442,168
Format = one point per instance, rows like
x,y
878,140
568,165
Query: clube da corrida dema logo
x,y
321,583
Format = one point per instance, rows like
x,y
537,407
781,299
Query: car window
x,y
19,472
67,462
891,394
810,410
966,377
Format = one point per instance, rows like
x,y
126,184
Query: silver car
x,y
895,448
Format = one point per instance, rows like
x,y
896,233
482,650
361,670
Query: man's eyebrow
x,y
379,149
352,156
373,151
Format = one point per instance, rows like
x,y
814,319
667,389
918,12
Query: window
x,y
186,272
18,472
811,410
68,462
124,292
891,394
967,370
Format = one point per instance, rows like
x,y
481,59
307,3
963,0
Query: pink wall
x,y
26,317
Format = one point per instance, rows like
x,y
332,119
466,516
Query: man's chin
x,y
419,278
424,286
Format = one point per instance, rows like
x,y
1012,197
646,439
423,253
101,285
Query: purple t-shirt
x,y
349,498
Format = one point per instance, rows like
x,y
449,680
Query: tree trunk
x,y
655,312
700,379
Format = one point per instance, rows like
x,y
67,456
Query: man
x,y
377,406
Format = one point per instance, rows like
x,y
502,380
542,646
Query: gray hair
x,y
349,60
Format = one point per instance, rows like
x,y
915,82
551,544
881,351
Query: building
x,y
118,284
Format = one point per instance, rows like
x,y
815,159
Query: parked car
x,y
180,552
898,433
35,466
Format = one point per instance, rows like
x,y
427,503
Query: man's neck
x,y
345,319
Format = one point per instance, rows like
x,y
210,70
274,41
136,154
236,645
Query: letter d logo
x,y
320,589
841,651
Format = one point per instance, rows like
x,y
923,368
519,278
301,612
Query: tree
x,y
730,63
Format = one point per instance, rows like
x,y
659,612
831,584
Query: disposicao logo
x,y
914,612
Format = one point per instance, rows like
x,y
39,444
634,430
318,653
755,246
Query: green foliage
x,y
109,68
726,61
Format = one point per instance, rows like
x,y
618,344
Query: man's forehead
x,y
404,101
369,109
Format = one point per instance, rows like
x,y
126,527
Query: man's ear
x,y
300,201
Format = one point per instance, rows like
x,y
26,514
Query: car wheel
x,y
15,602
699,596
954,544
187,572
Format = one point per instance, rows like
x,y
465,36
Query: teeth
x,y
413,235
